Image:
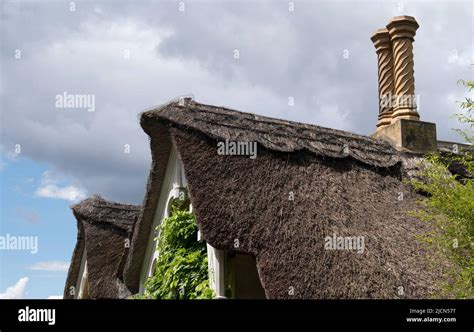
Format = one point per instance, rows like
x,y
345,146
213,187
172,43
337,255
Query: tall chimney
x,y
402,31
383,48
398,121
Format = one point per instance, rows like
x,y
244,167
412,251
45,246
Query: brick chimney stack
x,y
398,120
383,48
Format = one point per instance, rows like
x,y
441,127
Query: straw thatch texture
x,y
104,228
236,198
343,184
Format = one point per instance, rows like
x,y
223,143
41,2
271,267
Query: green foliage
x,y
467,114
180,271
450,208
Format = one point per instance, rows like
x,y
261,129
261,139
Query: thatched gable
x,y
75,265
348,192
103,228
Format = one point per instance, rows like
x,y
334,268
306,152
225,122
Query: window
x,y
242,279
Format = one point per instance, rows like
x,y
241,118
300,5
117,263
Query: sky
x,y
129,56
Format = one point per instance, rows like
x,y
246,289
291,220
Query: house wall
x,y
81,282
173,183
244,277
217,269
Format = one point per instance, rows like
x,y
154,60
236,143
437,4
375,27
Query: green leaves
x,y
181,270
450,208
467,114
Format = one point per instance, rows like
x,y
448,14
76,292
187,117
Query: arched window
x,y
179,199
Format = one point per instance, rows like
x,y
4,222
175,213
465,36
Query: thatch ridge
x,y
274,134
103,227
97,210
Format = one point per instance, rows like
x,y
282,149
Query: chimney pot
x,y
405,132
383,48
402,31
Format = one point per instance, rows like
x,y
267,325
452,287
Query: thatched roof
x,y
347,192
75,265
274,134
103,228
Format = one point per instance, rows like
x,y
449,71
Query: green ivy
x,y
181,270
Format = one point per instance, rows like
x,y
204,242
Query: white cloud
x,y
49,177
69,193
132,57
55,297
50,187
461,58
17,291
332,117
98,10
50,266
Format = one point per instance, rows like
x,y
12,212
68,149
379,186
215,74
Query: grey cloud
x,y
282,54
